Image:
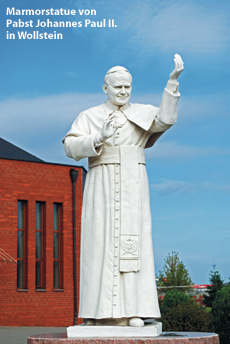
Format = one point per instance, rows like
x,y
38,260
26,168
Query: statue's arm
x,y
167,113
79,147
179,67
172,86
81,143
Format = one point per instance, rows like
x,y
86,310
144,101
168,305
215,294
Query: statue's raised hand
x,y
108,129
179,66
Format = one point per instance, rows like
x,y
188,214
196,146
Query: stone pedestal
x,y
149,330
165,338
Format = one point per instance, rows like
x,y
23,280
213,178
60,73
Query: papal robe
x,y
117,276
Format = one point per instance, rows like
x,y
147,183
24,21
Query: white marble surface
x,y
81,331
117,275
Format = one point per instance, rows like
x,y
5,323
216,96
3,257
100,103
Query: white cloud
x,y
159,25
215,187
38,125
168,187
181,215
193,107
44,113
173,150
185,26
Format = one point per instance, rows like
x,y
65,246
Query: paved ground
x,y
19,335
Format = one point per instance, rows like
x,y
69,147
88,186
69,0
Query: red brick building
x,y
37,266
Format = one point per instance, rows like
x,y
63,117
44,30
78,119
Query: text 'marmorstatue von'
x,y
117,279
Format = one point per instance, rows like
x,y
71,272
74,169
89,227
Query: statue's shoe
x,y
136,322
107,322
90,322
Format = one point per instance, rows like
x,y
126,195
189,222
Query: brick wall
x,y
47,183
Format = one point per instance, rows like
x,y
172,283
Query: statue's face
x,y
119,88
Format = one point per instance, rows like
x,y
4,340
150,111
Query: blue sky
x,y
46,83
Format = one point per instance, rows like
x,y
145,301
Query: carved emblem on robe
x,y
129,247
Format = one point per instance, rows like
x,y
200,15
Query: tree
x,y
216,283
172,299
174,273
221,314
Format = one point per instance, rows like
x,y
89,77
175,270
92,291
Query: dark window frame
x,y
57,254
22,217
42,215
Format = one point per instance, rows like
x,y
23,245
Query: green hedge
x,y
180,313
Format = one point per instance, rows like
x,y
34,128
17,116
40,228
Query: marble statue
x,y
117,277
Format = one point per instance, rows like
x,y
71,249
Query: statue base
x,y
153,329
164,338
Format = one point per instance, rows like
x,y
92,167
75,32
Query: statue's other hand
x,y
179,66
108,129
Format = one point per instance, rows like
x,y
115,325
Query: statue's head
x,y
118,85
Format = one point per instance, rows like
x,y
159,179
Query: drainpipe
x,y
73,176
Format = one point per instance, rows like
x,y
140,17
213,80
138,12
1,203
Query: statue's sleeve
x,y
166,115
81,142
167,112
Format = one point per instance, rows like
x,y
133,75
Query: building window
x,y
57,252
21,245
40,250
